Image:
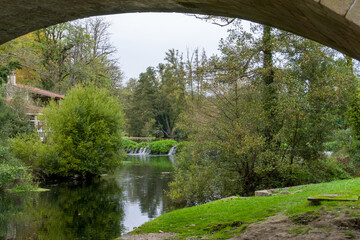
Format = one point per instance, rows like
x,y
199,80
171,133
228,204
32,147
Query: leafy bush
x,y
141,145
13,119
11,176
340,139
162,146
181,146
127,143
83,135
44,158
86,131
201,176
194,182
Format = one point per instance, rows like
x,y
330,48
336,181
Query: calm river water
x,y
106,209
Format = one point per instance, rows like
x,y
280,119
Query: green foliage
x,y
58,57
156,100
127,143
340,139
6,70
162,146
204,176
12,176
83,135
263,127
141,108
181,146
249,210
195,181
354,114
44,158
142,145
13,119
86,130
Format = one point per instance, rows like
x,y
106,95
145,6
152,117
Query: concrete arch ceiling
x,y
335,23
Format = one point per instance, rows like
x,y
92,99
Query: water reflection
x,y
104,209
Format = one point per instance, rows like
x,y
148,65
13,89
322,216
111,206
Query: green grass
x,y
222,219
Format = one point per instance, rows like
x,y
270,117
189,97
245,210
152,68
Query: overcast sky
x,y
143,38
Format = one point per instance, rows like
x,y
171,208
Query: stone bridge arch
x,y
335,23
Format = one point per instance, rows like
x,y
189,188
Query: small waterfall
x,y
328,153
140,151
172,151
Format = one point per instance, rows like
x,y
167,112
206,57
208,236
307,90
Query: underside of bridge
x,y
335,23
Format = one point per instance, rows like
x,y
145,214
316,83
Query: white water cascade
x,y
145,151
172,151
140,151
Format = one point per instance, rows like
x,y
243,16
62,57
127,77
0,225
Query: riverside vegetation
x,y
224,219
259,115
82,138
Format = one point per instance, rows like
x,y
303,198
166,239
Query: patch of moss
x,y
300,231
305,218
349,235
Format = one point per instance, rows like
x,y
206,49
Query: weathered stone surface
x,y
340,7
353,14
335,23
299,191
284,192
262,193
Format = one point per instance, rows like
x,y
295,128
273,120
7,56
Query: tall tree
x,y
172,92
142,108
61,56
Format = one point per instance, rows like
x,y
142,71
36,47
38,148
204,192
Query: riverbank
x,y
252,218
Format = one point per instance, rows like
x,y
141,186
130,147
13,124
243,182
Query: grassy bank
x,y
225,218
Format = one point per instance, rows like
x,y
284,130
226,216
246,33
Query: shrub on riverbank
x,y
181,146
225,218
83,135
162,146
14,176
156,147
202,174
128,144
12,173
142,145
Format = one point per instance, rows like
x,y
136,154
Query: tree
x,y
269,103
158,98
6,70
172,91
141,110
86,130
13,118
59,57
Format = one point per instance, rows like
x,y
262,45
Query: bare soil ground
x,y
327,226
330,226
149,236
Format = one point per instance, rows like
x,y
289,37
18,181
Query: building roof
x,y
40,91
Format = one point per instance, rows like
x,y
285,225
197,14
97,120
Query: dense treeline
x,y
64,55
259,115
83,133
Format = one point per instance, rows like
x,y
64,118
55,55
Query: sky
x,y
142,39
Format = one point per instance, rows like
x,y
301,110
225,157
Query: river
x,y
104,209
